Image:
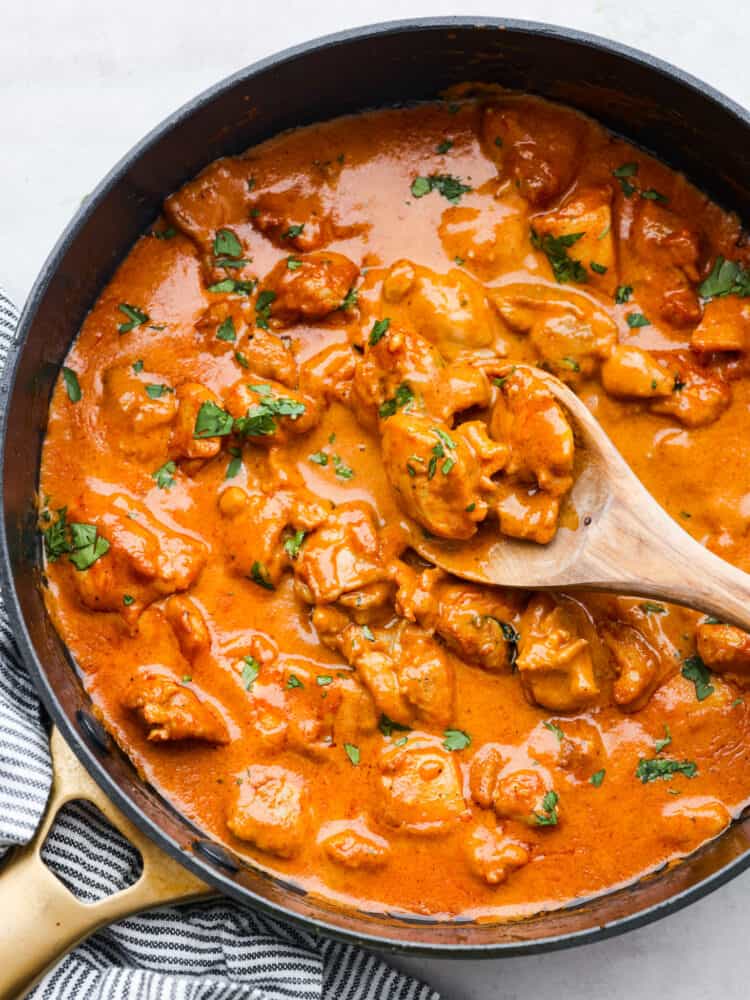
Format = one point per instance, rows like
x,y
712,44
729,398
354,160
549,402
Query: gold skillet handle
x,y
40,919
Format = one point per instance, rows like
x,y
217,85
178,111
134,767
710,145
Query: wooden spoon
x,y
624,542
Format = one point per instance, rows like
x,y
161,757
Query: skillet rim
x,y
211,875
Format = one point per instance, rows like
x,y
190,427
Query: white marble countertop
x,y
81,81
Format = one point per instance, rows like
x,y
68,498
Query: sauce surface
x,y
313,344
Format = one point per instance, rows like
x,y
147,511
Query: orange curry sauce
x,y
231,441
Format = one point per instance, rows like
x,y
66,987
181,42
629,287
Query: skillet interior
x,y
675,117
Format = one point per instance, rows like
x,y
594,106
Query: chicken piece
x,y
404,371
667,261
490,241
139,416
228,327
725,649
270,809
699,397
724,326
632,373
290,710
492,855
520,794
268,413
441,479
408,674
254,524
218,197
568,332
146,560
183,444
341,556
529,419
554,661
450,310
351,844
526,512
694,819
581,750
188,625
475,622
293,219
636,665
311,291
172,711
420,788
537,147
587,214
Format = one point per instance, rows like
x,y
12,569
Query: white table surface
x,y
80,82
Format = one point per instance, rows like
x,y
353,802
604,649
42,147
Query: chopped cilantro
x,y
212,421
664,768
388,727
597,268
444,146
227,331
634,320
352,753
156,391
323,680
293,544
72,386
259,575
380,328
293,263
164,476
652,609
651,194
350,300
127,600
726,278
597,778
250,671
263,308
231,285
294,682
293,232
226,244
402,397
343,471
235,463
367,633
448,186
138,366
622,294
136,317
564,267
554,728
548,815
664,742
695,670
318,458
456,739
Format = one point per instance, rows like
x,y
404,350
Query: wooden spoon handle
x,y
651,556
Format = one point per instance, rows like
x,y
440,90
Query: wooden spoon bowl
x,y
623,541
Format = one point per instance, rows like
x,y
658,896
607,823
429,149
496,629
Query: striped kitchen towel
x,y
211,950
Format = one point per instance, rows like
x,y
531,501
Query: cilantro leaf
x,y
664,768
548,815
564,267
72,386
136,317
164,476
212,421
402,397
250,671
695,670
456,739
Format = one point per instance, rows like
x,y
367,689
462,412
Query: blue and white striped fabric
x,y
212,950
